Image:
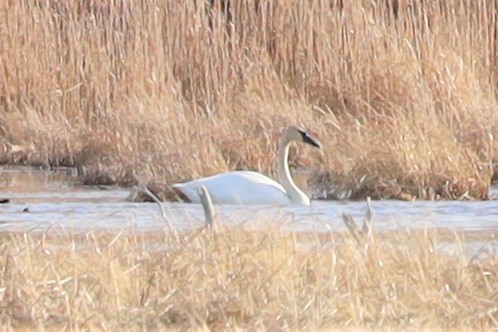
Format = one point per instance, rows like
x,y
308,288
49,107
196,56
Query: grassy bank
x,y
241,279
403,97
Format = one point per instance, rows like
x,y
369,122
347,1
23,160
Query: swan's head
x,y
295,134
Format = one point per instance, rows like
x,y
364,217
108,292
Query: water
x,y
42,201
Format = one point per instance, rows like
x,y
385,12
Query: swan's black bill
x,y
310,140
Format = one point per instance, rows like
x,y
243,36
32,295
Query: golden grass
x,y
402,94
263,280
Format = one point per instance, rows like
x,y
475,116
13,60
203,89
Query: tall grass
x,y
244,279
402,94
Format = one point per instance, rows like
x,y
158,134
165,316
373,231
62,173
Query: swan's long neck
x,y
284,176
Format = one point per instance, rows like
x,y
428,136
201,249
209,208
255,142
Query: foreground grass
x,y
240,278
402,94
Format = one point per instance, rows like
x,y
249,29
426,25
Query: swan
x,y
251,188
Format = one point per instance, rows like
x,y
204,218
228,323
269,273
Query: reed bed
x,y
237,278
401,93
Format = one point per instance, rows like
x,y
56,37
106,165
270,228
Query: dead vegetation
x,y
402,94
237,278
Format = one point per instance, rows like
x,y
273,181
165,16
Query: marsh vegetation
x,y
266,279
402,94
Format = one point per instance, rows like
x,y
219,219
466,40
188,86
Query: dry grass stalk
x,y
366,232
403,94
208,208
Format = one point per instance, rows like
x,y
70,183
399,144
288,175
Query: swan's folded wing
x,y
241,187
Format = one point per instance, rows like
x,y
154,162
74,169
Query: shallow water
x,y
41,201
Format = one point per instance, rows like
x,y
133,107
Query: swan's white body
x,y
238,187
246,187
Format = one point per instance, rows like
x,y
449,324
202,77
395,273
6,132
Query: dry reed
x,y
402,94
244,279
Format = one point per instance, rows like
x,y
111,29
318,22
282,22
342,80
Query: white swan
x,y
247,187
